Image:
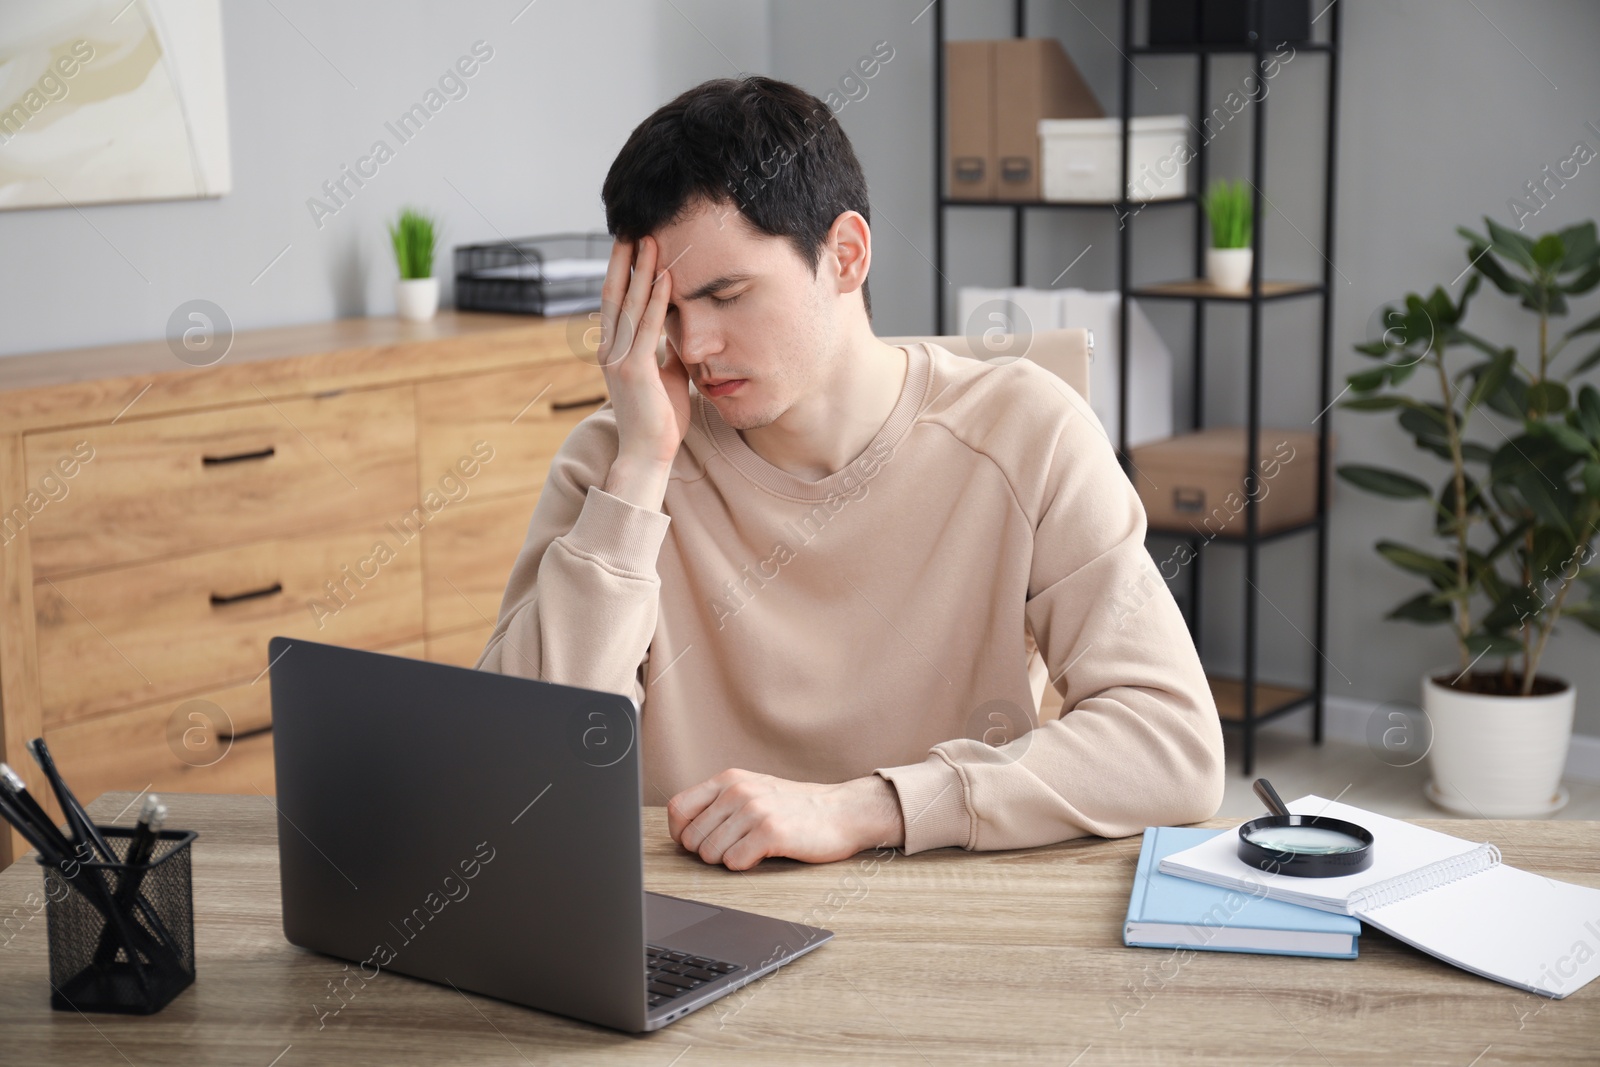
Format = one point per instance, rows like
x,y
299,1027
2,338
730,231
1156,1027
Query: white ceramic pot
x,y
416,299
1496,757
1229,268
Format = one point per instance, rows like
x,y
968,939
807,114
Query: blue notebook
x,y
1166,911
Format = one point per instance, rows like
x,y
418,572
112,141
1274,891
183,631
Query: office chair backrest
x,y
1065,353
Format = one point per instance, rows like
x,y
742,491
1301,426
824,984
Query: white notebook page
x,y
1520,928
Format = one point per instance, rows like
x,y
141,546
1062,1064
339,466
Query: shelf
x,y
1232,49
948,201
1200,289
1271,700
1240,538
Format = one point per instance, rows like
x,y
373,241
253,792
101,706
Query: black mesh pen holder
x,y
122,936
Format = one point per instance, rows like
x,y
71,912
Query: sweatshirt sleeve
x,y
581,603
1139,741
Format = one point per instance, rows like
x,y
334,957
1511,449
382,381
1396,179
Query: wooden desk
x,y
944,957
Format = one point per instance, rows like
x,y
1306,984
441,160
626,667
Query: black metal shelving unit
x,y
1256,702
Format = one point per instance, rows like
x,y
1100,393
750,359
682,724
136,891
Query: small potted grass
x,y
1229,210
416,294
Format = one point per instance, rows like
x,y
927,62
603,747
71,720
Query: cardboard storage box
x,y
995,94
1033,79
969,120
1195,482
1083,158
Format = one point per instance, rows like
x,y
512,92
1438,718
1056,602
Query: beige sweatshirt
x,y
881,620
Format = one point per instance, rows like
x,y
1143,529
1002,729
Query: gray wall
x,y
1447,108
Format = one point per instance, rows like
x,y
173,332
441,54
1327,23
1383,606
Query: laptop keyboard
x,y
669,973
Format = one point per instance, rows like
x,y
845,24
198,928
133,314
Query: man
x,y
820,573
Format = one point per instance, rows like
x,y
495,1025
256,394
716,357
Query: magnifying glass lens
x,y
1308,840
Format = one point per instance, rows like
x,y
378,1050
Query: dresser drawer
x,y
522,414
130,751
214,742
139,634
467,554
243,710
162,487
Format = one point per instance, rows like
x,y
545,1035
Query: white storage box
x,y
1150,414
1081,159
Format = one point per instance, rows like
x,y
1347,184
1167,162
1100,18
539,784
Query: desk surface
x,y
943,957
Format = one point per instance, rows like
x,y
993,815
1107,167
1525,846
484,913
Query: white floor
x,y
1353,774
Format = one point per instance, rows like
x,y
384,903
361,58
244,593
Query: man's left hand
x,y
738,818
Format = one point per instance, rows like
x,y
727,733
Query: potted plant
x,y
1230,212
416,294
1514,518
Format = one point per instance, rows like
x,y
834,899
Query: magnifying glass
x,y
1307,846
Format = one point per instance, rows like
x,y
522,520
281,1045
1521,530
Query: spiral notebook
x,y
1447,896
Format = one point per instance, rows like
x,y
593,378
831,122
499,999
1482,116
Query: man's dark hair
x,y
765,147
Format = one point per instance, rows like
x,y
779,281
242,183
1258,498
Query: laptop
x,y
483,831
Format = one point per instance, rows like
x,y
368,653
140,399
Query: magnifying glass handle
x,y
1269,797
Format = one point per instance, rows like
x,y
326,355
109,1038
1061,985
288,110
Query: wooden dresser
x,y
363,482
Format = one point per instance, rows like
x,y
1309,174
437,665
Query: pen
x,y
30,833
95,889
85,838
77,818
15,790
151,815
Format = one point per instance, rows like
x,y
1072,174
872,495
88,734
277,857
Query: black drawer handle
x,y
262,454
568,405
1015,168
1189,500
275,587
244,734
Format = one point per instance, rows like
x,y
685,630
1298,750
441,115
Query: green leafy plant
x,y
1517,512
413,236
1229,208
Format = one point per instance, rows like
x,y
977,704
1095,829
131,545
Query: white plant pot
x,y
1229,268
416,299
1496,757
